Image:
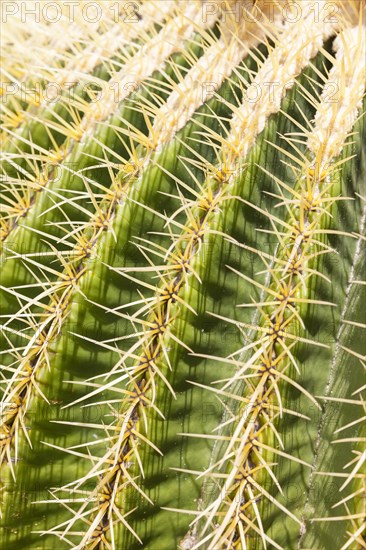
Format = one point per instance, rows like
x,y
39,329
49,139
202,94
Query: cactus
x,y
182,259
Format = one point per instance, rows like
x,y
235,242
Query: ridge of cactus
x,y
182,289
280,305
353,457
78,128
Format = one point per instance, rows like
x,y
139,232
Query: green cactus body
x,y
182,295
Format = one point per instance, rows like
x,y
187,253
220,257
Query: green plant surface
x,y
182,282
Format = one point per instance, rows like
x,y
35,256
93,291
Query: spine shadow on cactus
x,y
11,395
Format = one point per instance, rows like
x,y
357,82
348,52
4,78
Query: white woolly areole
x,y
240,34
204,78
341,99
150,58
27,32
108,43
298,44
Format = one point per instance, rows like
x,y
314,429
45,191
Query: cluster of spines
x,y
228,519
41,167
60,292
151,347
62,56
156,333
35,355
352,488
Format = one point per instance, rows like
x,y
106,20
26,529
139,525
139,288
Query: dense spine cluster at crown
x,y
83,115
186,92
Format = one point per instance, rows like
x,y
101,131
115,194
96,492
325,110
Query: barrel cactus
x,y
182,232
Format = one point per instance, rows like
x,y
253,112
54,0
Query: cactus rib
x,y
181,354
